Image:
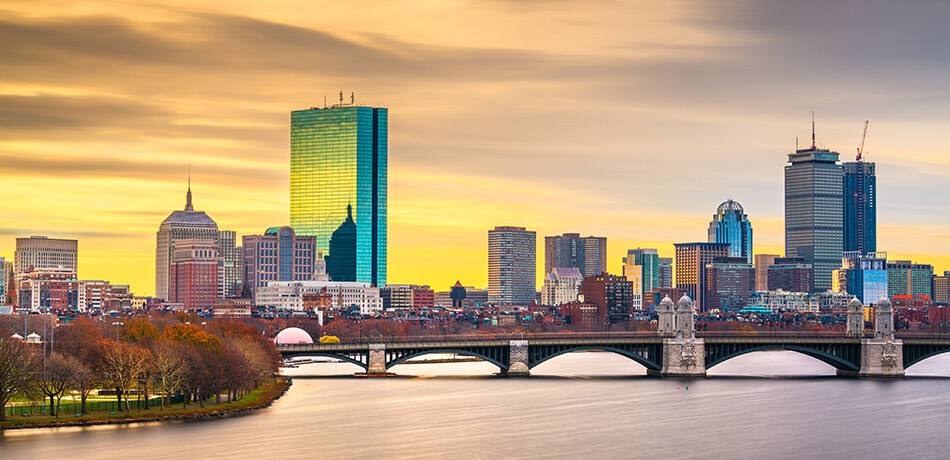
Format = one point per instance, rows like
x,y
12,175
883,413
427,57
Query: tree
x,y
18,363
123,363
141,330
167,369
58,377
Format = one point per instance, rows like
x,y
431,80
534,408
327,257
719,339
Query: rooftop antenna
x,y
813,146
188,206
341,97
352,98
324,101
863,137
796,143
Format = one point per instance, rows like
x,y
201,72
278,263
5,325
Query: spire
x,y
349,212
813,129
188,206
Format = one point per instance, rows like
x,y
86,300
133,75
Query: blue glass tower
x,y
860,207
731,225
339,158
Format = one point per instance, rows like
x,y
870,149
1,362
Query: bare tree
x,y
18,363
123,363
58,377
168,368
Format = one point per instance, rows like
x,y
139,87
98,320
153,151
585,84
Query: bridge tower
x,y
684,355
882,356
883,319
855,318
665,319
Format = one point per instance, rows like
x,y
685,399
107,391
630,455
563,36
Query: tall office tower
x,y
665,269
562,285
731,225
790,274
907,278
691,261
511,265
860,207
813,214
193,277
43,252
277,255
730,283
9,282
4,281
634,274
649,260
941,288
339,158
862,275
613,296
231,271
570,250
179,225
762,262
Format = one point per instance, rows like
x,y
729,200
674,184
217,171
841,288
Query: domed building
x,y
293,336
731,225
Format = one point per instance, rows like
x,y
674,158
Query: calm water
x,y
582,405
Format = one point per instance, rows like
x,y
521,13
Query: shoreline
x,y
273,392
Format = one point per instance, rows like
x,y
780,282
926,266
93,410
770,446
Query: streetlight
x,y
117,324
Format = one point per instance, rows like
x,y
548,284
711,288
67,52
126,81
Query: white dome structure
x,y
293,336
33,338
16,336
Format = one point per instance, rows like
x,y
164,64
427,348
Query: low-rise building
x,y
288,295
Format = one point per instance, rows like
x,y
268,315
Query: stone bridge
x,y
675,350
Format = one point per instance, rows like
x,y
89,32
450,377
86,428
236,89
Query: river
x,y
582,405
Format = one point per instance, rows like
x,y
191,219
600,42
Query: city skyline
x,y
116,164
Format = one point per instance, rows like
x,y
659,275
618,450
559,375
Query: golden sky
x,y
630,120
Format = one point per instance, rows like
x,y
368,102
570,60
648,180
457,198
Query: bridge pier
x,y
376,362
517,359
880,358
683,358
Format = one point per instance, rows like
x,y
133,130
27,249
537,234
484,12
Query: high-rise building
x,y
343,258
731,225
691,261
907,278
860,207
941,288
4,281
570,250
278,255
193,280
612,294
511,266
231,271
730,283
43,252
665,269
862,275
634,274
649,260
562,285
789,274
9,283
813,212
339,158
762,262
187,224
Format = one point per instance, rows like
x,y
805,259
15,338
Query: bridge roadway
x,y
661,355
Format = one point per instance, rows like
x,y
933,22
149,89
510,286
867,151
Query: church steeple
x,y
188,206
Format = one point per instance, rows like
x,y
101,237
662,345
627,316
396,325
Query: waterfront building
x,y
691,261
762,263
511,266
862,275
665,270
231,271
288,295
731,225
278,255
730,283
37,252
193,280
941,288
570,250
789,274
561,285
338,160
907,278
860,207
186,224
813,212
649,260
634,274
612,294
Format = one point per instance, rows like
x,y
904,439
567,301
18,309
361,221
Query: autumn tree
x,y
167,369
57,377
122,364
18,364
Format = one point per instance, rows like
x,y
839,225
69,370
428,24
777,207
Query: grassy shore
x,y
261,397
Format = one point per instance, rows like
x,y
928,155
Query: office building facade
x,y
813,212
730,283
186,224
665,269
561,285
731,225
570,250
907,278
789,274
511,266
278,255
860,207
634,274
649,261
193,280
691,261
762,263
862,275
231,271
44,252
339,159
941,288
612,294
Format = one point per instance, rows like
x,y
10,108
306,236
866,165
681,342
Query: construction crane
x,y
863,137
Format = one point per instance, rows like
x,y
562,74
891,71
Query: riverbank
x,y
263,396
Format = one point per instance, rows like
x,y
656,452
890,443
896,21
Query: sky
x,y
630,120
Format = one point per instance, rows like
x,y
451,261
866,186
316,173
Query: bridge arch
x,y
403,357
837,362
541,356
913,356
355,359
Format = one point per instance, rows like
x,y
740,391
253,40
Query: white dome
x,y
16,336
293,335
34,337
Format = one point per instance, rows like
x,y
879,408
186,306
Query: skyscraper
x,y
665,266
44,252
691,261
231,271
731,225
511,266
179,225
570,250
4,281
813,222
907,278
860,207
339,158
193,276
649,260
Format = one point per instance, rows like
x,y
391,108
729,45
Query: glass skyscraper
x,y
813,223
649,259
731,225
860,207
339,157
